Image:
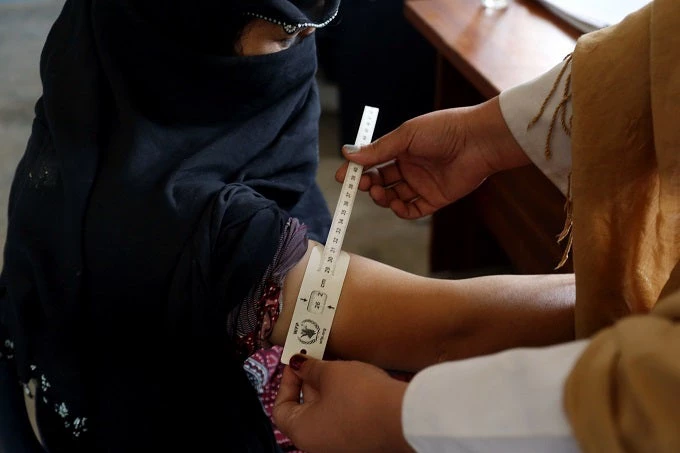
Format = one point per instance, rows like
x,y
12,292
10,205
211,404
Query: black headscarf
x,y
156,184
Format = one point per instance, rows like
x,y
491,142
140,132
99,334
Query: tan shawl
x,y
624,393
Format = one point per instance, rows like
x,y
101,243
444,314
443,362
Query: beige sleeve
x,y
623,395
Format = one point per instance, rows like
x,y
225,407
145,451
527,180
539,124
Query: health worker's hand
x,y
435,159
346,406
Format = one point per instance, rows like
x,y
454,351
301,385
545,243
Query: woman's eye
x,y
295,38
291,40
287,42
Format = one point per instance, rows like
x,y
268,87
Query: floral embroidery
x,y
76,425
79,426
7,350
44,385
61,409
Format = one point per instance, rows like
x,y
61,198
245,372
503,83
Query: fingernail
x,y
296,361
351,149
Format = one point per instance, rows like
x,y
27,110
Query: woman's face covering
x,y
260,37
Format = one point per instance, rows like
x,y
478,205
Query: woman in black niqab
x,y
160,175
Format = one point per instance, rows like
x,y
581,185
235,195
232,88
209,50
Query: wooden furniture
x,y
511,222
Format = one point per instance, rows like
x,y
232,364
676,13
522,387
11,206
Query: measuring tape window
x,y
324,276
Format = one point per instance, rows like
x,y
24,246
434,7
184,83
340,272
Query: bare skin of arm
x,y
398,320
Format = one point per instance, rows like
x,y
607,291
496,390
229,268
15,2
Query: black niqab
x,y
156,184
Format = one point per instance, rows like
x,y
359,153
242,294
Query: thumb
x,y
286,408
384,149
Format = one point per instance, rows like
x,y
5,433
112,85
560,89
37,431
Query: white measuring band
x,y
315,308
325,273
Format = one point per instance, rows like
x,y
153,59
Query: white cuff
x,y
506,402
519,105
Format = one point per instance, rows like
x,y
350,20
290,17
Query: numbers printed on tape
x,y
325,274
343,210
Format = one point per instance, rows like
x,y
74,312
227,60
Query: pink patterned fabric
x,y
265,370
252,322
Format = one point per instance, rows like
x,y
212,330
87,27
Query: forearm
x,y
507,311
403,321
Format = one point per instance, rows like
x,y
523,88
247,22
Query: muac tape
x,y
325,274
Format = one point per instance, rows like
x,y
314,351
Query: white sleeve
x,y
507,402
519,105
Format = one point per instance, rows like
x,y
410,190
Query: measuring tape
x,y
322,284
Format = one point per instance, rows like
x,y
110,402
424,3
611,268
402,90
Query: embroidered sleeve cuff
x,y
521,104
506,402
